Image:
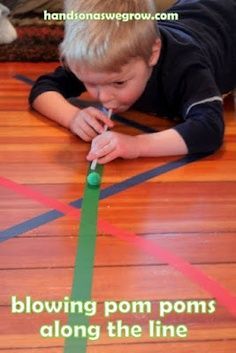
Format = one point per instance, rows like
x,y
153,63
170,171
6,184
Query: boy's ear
x,y
156,49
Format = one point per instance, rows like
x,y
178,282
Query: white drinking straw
x,y
95,161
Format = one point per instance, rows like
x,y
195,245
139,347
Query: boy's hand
x,y
89,122
111,145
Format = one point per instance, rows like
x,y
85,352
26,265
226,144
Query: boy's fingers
x,y
90,157
108,122
102,117
89,132
108,158
85,132
94,124
100,141
85,136
102,150
79,125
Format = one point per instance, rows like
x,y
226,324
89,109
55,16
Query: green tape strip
x,y
83,272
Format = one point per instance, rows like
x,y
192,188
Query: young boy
x,y
175,69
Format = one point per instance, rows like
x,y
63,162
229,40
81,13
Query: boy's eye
x,y
119,83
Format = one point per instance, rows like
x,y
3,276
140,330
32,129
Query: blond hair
x,y
108,45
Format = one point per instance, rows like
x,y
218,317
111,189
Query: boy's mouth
x,y
120,109
114,110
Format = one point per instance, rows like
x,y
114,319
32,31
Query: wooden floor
x,y
188,211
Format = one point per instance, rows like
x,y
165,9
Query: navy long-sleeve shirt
x,y
197,65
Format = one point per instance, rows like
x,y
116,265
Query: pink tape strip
x,y
38,196
222,295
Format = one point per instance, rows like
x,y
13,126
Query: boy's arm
x,y
50,92
202,132
110,145
61,80
55,107
165,143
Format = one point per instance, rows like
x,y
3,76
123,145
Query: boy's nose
x,y
104,96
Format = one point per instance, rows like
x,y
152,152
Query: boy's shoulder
x,y
200,16
201,40
188,69
201,8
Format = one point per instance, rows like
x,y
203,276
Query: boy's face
x,y
117,90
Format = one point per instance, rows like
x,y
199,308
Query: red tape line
x,y
222,295
38,196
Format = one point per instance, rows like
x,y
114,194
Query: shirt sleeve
x,y
203,129
61,80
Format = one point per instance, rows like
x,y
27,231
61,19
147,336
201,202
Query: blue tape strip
x,y
107,192
132,123
140,178
24,79
30,224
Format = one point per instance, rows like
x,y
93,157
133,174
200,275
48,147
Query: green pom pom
x,y
94,179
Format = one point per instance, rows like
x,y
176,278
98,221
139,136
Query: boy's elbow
x,y
202,135
205,129
216,136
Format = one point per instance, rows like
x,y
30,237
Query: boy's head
x,y
111,47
